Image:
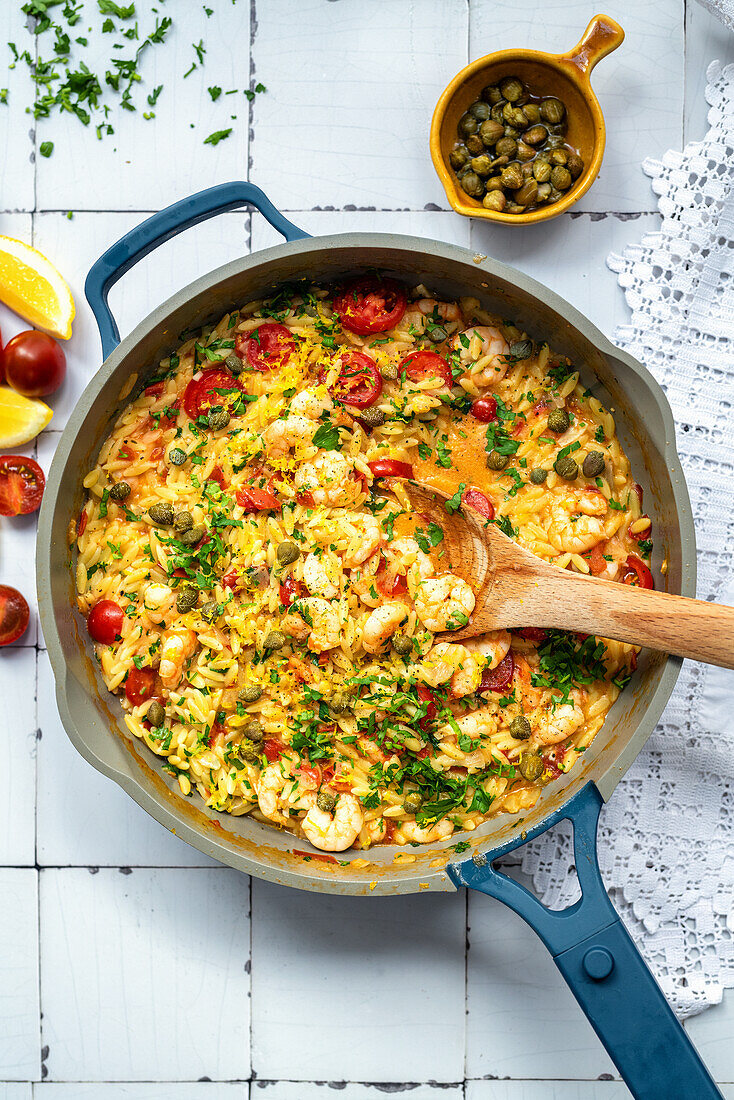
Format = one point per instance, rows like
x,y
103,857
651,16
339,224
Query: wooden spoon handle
x,y
657,620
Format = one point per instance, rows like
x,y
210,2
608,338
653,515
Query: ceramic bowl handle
x,y
602,35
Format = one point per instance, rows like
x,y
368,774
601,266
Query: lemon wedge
x,y
21,418
31,286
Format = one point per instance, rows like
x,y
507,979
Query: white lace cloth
x,y
666,842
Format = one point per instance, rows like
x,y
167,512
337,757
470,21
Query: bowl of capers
x,y
518,136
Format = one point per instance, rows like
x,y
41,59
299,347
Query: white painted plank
x,y
430,225
366,989
144,975
350,96
148,164
84,819
515,992
547,1090
196,1090
639,87
707,40
18,752
20,1041
10,1091
346,1090
712,1033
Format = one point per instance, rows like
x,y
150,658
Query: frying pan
x,y
588,943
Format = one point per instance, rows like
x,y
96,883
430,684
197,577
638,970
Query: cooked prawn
x,y
283,435
454,662
281,794
311,403
479,723
573,533
314,621
328,478
159,601
417,834
407,557
334,832
417,312
444,602
177,645
381,624
482,354
322,575
368,537
563,721
494,645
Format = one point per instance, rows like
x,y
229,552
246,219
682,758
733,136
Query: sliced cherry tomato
x,y
201,393
289,590
139,685
638,537
390,467
2,360
534,634
479,502
272,749
359,383
231,579
390,583
484,409
21,485
217,476
257,500
14,614
216,733
640,492
636,573
425,695
155,390
81,523
497,679
269,348
104,621
426,364
35,363
370,305
596,560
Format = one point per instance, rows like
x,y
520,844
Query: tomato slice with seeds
x,y
257,500
359,383
497,679
426,364
289,590
217,476
202,392
139,685
14,614
231,579
390,467
388,582
479,502
636,573
104,621
534,634
155,389
370,304
21,485
81,523
269,348
425,695
272,749
484,409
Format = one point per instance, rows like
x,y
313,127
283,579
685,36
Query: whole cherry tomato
x,y
370,304
21,485
35,363
426,364
139,685
484,409
104,621
268,348
14,614
203,392
390,467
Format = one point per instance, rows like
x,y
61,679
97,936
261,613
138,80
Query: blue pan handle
x,y
120,257
601,965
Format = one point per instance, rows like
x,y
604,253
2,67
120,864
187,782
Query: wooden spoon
x,y
514,588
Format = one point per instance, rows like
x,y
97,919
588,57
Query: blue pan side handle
x,y
120,257
602,966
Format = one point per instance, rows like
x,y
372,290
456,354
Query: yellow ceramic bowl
x,y
566,76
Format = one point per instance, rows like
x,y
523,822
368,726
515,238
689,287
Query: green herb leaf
x,y
326,437
46,148
217,136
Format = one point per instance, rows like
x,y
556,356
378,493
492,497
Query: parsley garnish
x,y
217,136
326,437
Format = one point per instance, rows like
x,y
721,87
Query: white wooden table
x,y
130,965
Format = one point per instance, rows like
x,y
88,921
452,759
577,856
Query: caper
x,y
520,728
458,158
218,419
120,491
536,135
161,514
532,110
192,535
528,193
340,702
287,553
156,714
511,88
512,176
538,475
326,802
436,334
234,364
247,751
250,694
413,802
274,640
514,207
593,464
402,644
183,521
521,349
575,165
491,131
552,110
482,165
496,113
524,153
254,731
561,178
541,170
389,371
559,157
544,190
188,598
558,421
554,142
496,461
494,184
512,132
566,467
468,125
505,147
474,145
491,94
176,456
554,195
210,611
472,184
531,766
375,418
480,110
494,200
514,116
